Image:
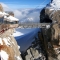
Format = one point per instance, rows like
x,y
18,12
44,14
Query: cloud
x,y
27,15
20,14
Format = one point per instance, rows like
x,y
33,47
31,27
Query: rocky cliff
x,y
9,49
9,45
51,14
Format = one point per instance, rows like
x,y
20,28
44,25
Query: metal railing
x,y
34,25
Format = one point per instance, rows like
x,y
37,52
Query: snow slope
x,y
26,37
54,5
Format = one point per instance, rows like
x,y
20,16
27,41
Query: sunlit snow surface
x,y
3,13
54,5
17,33
20,32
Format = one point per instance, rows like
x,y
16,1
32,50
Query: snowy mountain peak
x,y
55,4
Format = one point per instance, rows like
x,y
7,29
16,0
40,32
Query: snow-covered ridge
x,y
7,16
3,13
11,18
55,4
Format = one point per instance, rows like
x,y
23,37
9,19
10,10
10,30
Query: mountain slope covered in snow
x,y
55,4
27,37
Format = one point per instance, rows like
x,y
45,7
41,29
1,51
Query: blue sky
x,y
25,3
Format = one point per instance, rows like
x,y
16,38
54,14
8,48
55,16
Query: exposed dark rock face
x,y
51,16
44,16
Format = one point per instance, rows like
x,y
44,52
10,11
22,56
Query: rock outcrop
x,y
51,11
35,51
10,46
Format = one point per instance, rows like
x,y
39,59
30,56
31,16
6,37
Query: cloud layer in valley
x,y
27,15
